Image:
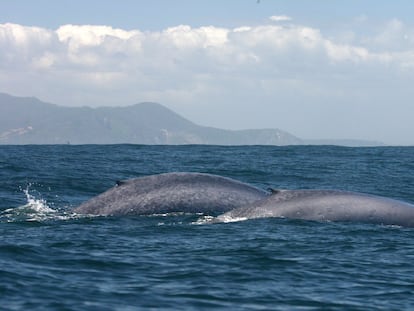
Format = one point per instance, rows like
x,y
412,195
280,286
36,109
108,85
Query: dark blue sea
x,y
53,259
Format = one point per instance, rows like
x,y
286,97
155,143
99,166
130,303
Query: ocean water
x,y
52,259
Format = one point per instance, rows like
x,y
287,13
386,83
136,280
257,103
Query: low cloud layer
x,y
280,74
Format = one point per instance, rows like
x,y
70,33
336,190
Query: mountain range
x,y
27,120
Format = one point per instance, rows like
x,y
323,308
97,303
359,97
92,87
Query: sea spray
x,y
36,209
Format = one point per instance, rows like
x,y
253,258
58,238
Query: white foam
x,y
37,205
203,220
35,209
219,219
227,219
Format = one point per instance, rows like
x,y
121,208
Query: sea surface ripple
x,y
53,259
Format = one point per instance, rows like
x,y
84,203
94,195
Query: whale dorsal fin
x,y
120,182
273,190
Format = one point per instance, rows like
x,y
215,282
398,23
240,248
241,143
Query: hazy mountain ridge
x,y
27,120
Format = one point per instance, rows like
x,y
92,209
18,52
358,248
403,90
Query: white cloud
x,y
279,68
185,37
176,49
280,18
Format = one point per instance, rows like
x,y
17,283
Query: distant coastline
x,y
27,120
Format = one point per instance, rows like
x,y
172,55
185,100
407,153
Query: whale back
x,y
327,205
172,192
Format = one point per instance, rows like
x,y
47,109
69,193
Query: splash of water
x,y
35,209
205,219
219,219
37,205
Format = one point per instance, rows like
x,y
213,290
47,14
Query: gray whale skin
x,y
172,192
326,205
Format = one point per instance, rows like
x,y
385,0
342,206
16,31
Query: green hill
x,y
27,120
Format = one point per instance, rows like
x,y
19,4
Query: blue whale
x,y
172,192
326,205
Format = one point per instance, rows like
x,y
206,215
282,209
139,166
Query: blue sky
x,y
318,69
160,14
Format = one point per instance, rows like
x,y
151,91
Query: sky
x,y
320,69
